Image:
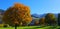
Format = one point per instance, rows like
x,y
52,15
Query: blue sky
x,y
36,6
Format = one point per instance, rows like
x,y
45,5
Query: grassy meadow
x,y
32,27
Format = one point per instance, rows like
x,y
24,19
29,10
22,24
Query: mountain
x,y
41,15
38,16
56,15
35,15
1,15
1,12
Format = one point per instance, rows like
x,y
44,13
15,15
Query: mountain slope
x,y
41,15
1,15
1,12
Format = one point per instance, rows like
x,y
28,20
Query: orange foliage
x,y
17,13
42,21
36,22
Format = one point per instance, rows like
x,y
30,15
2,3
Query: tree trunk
x,y
15,26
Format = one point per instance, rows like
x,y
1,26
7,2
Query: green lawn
x,y
32,27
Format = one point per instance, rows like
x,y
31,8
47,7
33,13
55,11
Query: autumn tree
x,y
50,19
36,23
17,14
42,21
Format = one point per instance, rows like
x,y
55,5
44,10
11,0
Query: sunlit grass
x,y
32,27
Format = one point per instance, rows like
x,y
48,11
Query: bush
x,y
5,26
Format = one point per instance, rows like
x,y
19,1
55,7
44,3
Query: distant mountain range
x,y
41,15
1,15
38,16
1,12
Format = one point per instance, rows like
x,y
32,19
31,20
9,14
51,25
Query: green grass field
x,y
32,27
